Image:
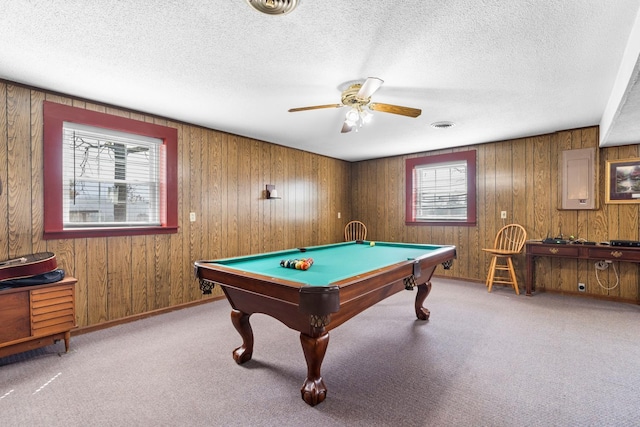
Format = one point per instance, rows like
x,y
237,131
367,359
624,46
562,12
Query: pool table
x,y
344,279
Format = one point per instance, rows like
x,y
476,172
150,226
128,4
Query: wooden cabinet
x,y
37,316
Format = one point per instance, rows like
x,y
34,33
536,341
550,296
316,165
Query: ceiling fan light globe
x,y
352,115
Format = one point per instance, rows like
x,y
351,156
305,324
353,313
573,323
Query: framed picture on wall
x,y
623,181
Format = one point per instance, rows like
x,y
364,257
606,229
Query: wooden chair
x,y
509,242
355,230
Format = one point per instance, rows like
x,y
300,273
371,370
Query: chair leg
x,y
512,273
492,273
493,268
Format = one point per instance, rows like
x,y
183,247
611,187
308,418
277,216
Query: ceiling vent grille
x,y
273,7
442,125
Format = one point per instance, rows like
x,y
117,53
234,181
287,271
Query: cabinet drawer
x,y
42,296
52,310
554,250
61,323
614,254
49,306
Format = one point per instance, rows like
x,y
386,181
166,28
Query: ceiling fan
x,y
358,97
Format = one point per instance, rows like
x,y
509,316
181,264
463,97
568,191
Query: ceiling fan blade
x,y
315,107
395,109
369,87
346,127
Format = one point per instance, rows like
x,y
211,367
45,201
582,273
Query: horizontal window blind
x,y
440,192
110,178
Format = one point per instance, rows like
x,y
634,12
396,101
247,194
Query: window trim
x,y
411,163
54,117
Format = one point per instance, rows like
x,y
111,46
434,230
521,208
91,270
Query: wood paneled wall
x,y
521,177
222,179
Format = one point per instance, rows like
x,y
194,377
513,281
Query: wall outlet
x,y
582,287
192,216
503,214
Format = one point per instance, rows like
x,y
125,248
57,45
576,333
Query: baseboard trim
x,y
587,295
540,290
110,323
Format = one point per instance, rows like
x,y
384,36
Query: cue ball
x,y
372,244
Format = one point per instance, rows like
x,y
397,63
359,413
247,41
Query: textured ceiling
x,y
498,69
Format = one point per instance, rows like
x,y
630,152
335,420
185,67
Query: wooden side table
x,y
37,316
575,251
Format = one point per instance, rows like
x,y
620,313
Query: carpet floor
x,y
481,360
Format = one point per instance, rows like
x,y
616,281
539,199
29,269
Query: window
x,y
441,189
107,175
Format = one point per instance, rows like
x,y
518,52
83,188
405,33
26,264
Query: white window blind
x,y
440,191
110,178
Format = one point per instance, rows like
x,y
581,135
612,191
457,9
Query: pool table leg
x,y
240,321
313,390
423,293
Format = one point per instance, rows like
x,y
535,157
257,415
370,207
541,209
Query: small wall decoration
x,y
623,181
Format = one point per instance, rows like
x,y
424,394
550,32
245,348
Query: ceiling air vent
x,y
442,125
273,7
